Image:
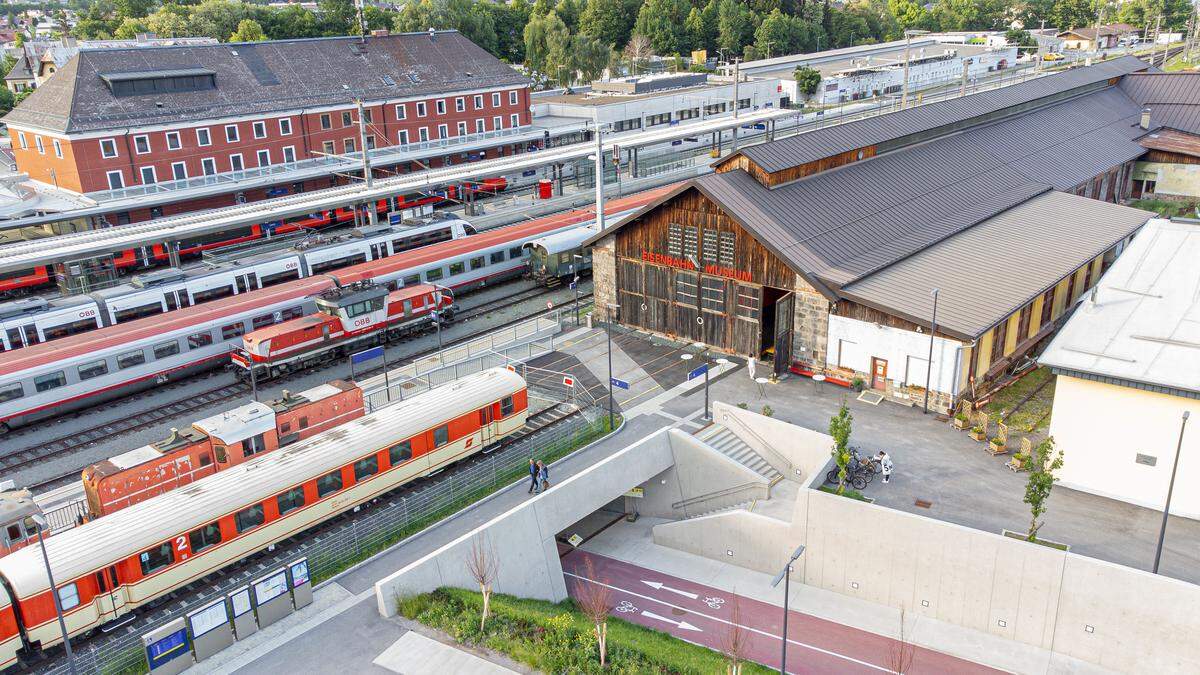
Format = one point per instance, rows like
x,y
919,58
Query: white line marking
x,y
659,586
683,625
749,628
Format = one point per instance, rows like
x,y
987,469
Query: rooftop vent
x,y
388,80
1144,122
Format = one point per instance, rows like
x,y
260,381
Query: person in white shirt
x,y
885,460
750,363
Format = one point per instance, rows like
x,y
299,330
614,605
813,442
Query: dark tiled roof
x,y
1173,98
258,78
1049,237
821,143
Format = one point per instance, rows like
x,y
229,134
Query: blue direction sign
x,y
367,355
698,372
619,384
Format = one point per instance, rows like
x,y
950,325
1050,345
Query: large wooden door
x,y
785,327
878,373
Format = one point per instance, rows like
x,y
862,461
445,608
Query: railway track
x,y
76,441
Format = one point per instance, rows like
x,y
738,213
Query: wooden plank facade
x,y
740,286
772,179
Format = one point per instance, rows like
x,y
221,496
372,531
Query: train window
x,y
15,534
339,262
165,349
93,369
204,537
68,596
132,313
433,274
222,454
329,483
205,460
290,500
304,422
507,406
157,558
412,280
50,381
497,257
292,313
441,436
515,252
81,326
233,330
368,466
198,340
249,518
263,321
457,268
11,392
211,294
278,277
131,359
400,452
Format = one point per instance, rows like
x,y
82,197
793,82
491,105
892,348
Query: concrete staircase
x,y
725,441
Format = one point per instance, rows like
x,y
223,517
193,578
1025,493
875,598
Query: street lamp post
x,y
908,35
929,365
785,575
40,521
575,283
1162,531
612,309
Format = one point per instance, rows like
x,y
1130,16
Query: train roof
x,y
289,326
320,392
495,237
567,240
36,307
115,537
129,333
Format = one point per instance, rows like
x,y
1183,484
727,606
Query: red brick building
x,y
116,118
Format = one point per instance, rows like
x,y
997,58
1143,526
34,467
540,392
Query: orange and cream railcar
x,y
217,443
113,565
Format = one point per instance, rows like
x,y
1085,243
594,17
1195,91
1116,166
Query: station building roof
x,y
1141,326
256,78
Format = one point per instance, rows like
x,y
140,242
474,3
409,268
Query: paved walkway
x,y
415,654
712,616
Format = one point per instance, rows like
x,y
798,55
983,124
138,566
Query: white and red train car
x,y
347,318
80,370
111,566
217,443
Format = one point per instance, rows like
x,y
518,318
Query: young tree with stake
x,y
595,599
484,566
839,428
736,641
1045,461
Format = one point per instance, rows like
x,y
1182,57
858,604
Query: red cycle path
x,y
704,615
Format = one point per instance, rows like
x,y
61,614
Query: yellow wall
x,y
1010,336
985,353
1060,297
1035,318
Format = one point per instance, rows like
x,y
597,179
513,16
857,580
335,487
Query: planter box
x,y
979,436
959,423
997,448
1042,542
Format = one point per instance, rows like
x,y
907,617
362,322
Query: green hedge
x,y
557,638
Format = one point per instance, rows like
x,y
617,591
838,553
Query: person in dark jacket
x,y
544,472
533,477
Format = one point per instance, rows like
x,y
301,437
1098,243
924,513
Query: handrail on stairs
x,y
713,495
766,446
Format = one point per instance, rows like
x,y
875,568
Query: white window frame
x,y
203,137
370,142
120,182
175,173
480,126
440,106
206,163
256,126
422,109
402,137
462,128
497,123
423,134
71,599
478,101
495,99
178,140
240,160
443,131
285,126
512,97
153,174
236,134
289,154
57,148
401,111
25,142
514,120
259,157
348,146
41,147
137,149
460,104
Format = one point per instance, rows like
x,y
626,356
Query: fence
x,y
337,545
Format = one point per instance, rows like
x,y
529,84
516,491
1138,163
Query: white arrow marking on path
x,y
658,586
682,624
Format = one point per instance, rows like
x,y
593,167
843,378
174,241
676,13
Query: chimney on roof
x,y
1144,122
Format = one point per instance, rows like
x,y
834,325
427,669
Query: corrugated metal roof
x,y
832,140
1173,98
1144,326
989,271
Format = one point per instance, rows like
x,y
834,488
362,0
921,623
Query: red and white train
x,y
84,369
111,566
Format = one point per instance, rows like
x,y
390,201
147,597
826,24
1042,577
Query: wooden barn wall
x,y
795,172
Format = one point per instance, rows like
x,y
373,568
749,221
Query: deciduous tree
x,y
662,21
594,597
484,567
734,26
248,30
1045,461
807,79
839,429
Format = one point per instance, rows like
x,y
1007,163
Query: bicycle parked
x,y
859,472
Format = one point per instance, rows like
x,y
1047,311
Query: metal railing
x,y
764,447
334,547
700,499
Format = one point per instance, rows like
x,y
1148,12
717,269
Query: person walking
x,y
533,476
885,461
750,364
544,472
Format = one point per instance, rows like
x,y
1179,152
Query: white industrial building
x,y
1127,368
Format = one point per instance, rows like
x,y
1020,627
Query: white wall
x,y
852,344
617,108
1101,428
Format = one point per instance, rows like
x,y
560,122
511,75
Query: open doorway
x,y
778,325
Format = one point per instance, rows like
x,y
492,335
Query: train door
x,y
14,338
108,601
246,282
171,300
31,335
485,426
379,250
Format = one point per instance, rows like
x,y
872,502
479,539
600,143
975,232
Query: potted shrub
x,y
997,445
857,383
977,433
1019,462
960,420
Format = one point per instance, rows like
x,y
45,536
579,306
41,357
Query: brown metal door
x,y
878,373
785,327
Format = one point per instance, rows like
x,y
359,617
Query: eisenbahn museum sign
x,y
683,264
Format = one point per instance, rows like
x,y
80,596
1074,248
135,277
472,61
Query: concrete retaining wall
x,y
698,470
743,538
806,450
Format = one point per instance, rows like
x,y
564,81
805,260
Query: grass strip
x,y
848,492
558,638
